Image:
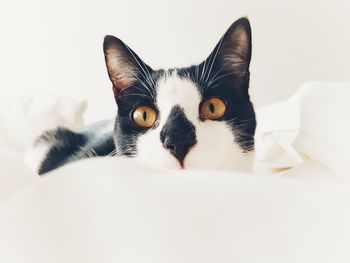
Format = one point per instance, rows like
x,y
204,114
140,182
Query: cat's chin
x,y
243,163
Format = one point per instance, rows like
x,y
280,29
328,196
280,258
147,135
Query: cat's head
x,y
194,117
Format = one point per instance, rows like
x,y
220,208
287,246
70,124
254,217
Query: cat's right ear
x,y
123,65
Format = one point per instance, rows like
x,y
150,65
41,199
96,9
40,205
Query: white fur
x,y
215,148
35,156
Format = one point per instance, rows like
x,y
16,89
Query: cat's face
x,y
195,117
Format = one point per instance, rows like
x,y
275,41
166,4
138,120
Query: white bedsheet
x,y
93,212
116,210
314,122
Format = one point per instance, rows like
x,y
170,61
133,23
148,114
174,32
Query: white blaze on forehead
x,y
174,90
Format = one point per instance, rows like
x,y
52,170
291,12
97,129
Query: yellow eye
x,y
213,109
144,116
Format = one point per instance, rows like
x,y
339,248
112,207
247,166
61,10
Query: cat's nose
x,y
178,134
179,150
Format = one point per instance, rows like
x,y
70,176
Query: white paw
x,y
35,156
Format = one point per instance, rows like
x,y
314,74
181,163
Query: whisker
x,y
213,61
222,76
142,68
135,76
112,153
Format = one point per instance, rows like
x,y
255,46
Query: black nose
x,y
179,150
178,134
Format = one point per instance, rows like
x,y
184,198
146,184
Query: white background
x,y
57,45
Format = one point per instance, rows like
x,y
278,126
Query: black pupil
x,y
211,107
144,116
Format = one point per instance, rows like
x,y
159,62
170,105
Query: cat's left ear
x,y
233,52
123,65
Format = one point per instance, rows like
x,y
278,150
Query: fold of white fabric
x,y
313,123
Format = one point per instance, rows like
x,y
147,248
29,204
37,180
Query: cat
x,y
193,117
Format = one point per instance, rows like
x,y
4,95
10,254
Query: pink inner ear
x,y
123,85
119,85
121,72
121,80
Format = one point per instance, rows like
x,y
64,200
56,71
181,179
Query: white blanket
x,y
107,210
314,123
116,210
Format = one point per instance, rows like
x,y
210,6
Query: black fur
x,y
125,130
66,146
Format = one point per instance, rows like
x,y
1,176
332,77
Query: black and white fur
x,y
176,95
